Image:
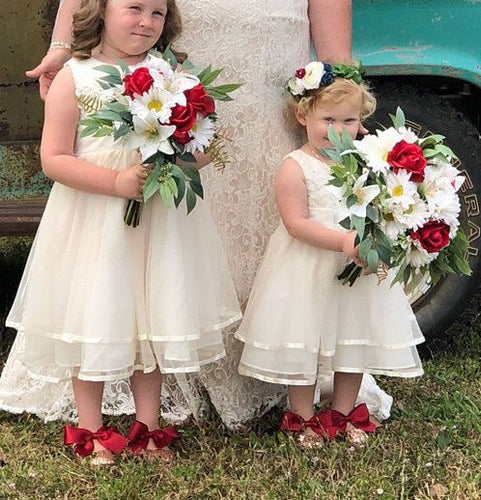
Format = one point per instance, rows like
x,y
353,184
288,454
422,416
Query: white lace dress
x,y
259,44
301,322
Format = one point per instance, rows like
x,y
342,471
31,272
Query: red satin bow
x,y
139,436
82,439
359,418
292,422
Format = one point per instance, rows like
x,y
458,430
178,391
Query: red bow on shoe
x,y
139,436
292,422
359,418
82,439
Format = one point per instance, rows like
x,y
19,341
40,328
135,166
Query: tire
x,y
438,307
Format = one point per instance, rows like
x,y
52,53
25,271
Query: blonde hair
x,y
337,91
88,25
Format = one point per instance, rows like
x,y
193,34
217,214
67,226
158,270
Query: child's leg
x,y
146,389
346,389
301,400
88,398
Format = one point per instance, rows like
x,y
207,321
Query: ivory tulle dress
x,y
301,322
99,299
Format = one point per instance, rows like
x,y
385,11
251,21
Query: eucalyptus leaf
x,y
190,199
180,181
373,260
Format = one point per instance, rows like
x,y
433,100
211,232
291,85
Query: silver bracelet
x,y
60,45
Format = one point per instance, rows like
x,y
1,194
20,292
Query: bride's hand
x,y
52,62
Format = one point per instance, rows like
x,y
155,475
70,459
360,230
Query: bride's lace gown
x,y
259,44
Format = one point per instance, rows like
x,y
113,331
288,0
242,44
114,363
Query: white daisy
x,y
400,188
202,133
151,136
414,216
375,148
416,255
156,102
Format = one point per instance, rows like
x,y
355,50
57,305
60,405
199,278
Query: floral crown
x,y
318,74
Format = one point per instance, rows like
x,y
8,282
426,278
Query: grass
x,y
430,448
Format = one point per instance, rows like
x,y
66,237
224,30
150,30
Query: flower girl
x,y
300,321
100,301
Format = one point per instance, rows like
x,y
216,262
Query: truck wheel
x,y
437,307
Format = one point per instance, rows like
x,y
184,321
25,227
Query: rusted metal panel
x,y
20,217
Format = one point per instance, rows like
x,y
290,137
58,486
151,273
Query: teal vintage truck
x,y
423,55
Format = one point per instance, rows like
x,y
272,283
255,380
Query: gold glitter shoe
x,y
310,441
356,437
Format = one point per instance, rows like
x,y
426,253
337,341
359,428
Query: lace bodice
x,y
324,203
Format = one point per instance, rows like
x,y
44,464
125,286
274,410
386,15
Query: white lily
x,y
364,195
151,136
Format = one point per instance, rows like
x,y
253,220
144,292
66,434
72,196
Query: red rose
x,y
433,236
200,101
138,82
184,118
301,73
408,157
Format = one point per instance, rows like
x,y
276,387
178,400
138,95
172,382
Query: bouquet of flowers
x,y
167,111
399,193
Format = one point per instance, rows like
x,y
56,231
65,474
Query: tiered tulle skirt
x,y
99,299
301,322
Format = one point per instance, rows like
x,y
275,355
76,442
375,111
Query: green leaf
x,y
345,223
165,194
169,56
192,173
347,142
89,130
399,120
190,199
180,182
399,275
172,185
372,213
109,69
210,77
227,88
151,186
351,200
384,254
364,249
462,265
121,131
112,80
204,73
197,188
359,224
336,182
123,65
373,260
334,138
188,157
106,114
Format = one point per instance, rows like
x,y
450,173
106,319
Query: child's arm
x,y
291,195
57,148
